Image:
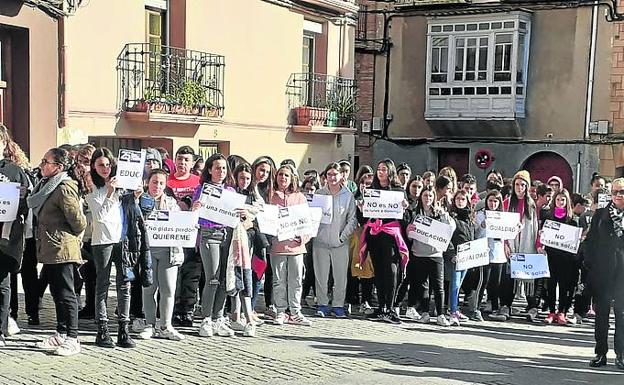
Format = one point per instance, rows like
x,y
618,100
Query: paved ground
x,y
332,351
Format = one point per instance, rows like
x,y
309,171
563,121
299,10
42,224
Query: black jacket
x,y
557,253
464,232
604,257
135,250
11,249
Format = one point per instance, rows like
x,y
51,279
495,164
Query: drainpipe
x,y
592,64
62,63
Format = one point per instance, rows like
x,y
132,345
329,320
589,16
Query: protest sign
x,y
383,204
172,228
472,254
431,232
9,201
219,205
268,219
325,202
603,200
529,266
561,236
294,221
130,169
316,217
501,225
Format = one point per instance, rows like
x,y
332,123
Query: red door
x,y
458,158
543,165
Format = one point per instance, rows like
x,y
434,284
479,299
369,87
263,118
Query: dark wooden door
x,y
543,165
458,158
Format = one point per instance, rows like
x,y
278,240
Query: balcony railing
x,y
321,100
170,81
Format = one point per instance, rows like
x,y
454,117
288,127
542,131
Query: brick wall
x,y
615,157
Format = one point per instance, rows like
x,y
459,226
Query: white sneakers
x,y
168,333
442,321
61,344
206,329
424,318
139,325
454,319
147,332
299,319
412,314
250,330
221,328
12,328
53,342
238,325
280,319
366,309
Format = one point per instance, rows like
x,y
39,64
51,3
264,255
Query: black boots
x,y
598,361
103,338
123,338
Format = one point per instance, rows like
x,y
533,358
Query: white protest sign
x,y
383,204
172,228
501,225
9,201
219,205
130,169
316,216
561,236
529,266
325,202
603,200
268,219
431,232
472,254
294,221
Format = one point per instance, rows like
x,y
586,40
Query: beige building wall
x,y
262,45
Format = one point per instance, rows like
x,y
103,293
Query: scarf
x,y
42,191
617,216
391,228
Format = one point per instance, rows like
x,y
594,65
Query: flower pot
x,y
332,119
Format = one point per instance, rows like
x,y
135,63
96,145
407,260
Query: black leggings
x,y
563,269
386,258
61,279
494,287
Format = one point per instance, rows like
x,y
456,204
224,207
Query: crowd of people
x,y
75,221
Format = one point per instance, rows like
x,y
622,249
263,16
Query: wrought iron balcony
x,y
170,84
323,102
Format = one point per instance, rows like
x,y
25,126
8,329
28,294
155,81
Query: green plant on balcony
x,y
342,106
192,96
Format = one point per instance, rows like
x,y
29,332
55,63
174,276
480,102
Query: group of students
x,y
77,222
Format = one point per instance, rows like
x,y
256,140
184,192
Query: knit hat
x,y
153,154
555,178
524,175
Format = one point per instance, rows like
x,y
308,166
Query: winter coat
x,y
135,252
59,226
344,221
12,248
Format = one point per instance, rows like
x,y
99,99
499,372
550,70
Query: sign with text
x,y
472,254
561,236
501,225
383,204
172,228
316,216
529,266
130,169
431,232
219,205
9,201
268,219
603,200
325,202
294,221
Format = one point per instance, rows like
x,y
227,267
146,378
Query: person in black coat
x,y
604,261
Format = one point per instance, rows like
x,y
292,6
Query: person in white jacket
x,y
331,245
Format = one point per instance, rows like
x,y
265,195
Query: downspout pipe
x,y
591,71
62,63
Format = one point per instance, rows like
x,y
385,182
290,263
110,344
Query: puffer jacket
x,y
135,252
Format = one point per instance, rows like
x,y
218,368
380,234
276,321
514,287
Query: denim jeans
x,y
457,277
103,257
214,258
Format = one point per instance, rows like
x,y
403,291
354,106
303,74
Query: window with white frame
x,y
477,65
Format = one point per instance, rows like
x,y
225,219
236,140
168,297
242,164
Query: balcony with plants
x,y
320,103
165,84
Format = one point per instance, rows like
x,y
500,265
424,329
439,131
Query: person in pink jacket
x,y
287,256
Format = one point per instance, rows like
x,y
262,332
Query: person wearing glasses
x,y
604,260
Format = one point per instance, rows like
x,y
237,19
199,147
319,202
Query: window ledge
x,y
322,130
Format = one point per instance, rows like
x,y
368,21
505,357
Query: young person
x,y
404,173
345,167
413,190
331,245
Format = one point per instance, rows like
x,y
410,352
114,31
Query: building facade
x,y
245,77
490,85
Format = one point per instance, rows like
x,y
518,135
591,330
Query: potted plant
x,y
342,106
192,95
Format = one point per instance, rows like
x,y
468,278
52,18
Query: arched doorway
x,y
543,165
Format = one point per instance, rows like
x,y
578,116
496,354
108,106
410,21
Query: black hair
x,y
100,152
312,180
420,209
332,166
442,181
243,167
542,190
290,162
235,160
578,199
595,177
157,171
207,178
393,180
468,179
497,194
185,150
404,166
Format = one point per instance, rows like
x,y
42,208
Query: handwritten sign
x,y
219,205
529,266
172,228
431,232
383,204
9,201
325,202
501,225
130,169
472,254
561,236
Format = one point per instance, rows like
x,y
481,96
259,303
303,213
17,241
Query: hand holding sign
x,y
501,225
220,205
431,232
9,201
529,266
130,169
383,204
561,236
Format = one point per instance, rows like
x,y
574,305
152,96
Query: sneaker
x,y
561,319
442,321
515,311
322,311
147,332
299,319
280,319
206,328
257,320
347,308
551,318
412,314
139,325
462,317
476,316
271,312
70,347
339,312
183,320
504,312
2,341
454,320
366,309
397,311
197,310
12,328
53,342
591,313
169,333
496,316
238,326
424,318
576,319
532,315
250,330
221,328
393,318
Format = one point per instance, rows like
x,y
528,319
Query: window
x,y
502,57
155,36
307,58
471,58
439,59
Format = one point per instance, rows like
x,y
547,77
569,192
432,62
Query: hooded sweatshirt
x,y
288,247
344,221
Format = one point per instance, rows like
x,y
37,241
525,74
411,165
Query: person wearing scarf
x,y
604,260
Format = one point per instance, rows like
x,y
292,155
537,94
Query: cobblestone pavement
x,y
332,351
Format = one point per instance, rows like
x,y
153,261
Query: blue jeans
x,y
457,277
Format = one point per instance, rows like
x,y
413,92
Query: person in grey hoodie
x,y
331,245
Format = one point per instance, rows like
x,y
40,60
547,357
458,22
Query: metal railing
x,y
171,80
321,100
